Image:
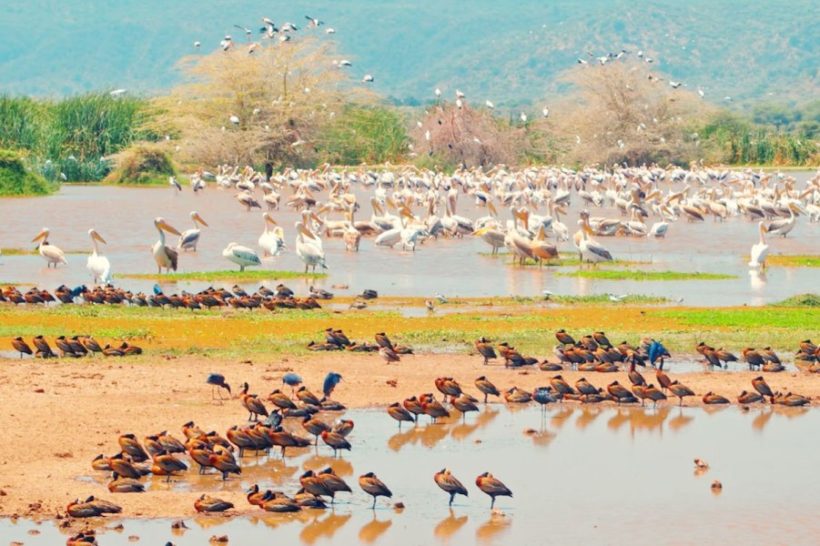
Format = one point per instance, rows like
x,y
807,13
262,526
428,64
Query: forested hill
x,y
508,51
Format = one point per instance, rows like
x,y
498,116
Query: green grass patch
x,y
34,251
797,260
225,275
801,300
630,275
798,320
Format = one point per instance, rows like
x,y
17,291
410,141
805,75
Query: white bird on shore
x,y
52,254
190,237
98,264
617,299
760,250
368,78
241,256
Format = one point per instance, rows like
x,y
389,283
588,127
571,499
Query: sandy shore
x,y
59,415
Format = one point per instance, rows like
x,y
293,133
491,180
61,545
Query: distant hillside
x,y
508,51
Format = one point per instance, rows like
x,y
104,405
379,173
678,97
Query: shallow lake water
x,y
581,474
454,267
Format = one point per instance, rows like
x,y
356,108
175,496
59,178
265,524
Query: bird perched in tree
x,y
217,381
331,380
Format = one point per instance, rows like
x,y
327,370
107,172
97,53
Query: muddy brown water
x,y
581,474
453,267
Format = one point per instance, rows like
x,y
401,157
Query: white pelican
x,y
165,256
272,240
190,237
241,255
659,229
759,250
308,248
493,236
98,264
782,226
52,254
591,250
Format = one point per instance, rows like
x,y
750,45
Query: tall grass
x,y
71,138
735,141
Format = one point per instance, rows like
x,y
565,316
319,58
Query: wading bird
x,y
165,256
217,381
241,256
374,487
449,484
492,487
190,237
98,264
50,253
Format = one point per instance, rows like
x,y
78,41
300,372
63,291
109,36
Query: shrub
x,y
16,179
142,164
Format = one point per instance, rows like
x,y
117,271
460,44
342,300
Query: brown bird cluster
x,y
280,297
595,353
765,359
512,358
72,347
336,340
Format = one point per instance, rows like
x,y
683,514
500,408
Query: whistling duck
x,y
206,503
119,484
620,393
397,412
640,392
515,395
701,465
374,487
199,452
333,483
432,407
314,485
712,398
252,403
77,509
449,484
314,427
792,400
280,504
21,346
680,390
762,387
485,350
83,538
635,376
663,380
344,427
108,350
335,441
413,405
383,341
167,465
564,338
307,397
561,386
217,381
131,446
653,393
752,357
448,387
749,398
224,463
281,400
486,387
492,487
725,356
255,497
43,348
464,405
585,387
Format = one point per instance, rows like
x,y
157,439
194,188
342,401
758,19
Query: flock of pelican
x,y
410,206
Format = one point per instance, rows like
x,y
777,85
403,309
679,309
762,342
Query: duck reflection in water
x,y
449,526
492,528
373,529
323,528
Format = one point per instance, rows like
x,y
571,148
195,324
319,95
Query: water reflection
x,y
372,530
449,526
641,442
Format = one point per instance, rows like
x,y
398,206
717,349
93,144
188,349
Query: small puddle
x,y
579,474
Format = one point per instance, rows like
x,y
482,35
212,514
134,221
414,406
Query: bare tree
x,y
622,112
464,136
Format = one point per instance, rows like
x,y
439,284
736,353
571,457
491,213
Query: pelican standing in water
x,y
759,250
272,240
98,264
190,237
241,255
52,254
589,249
165,256
309,248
